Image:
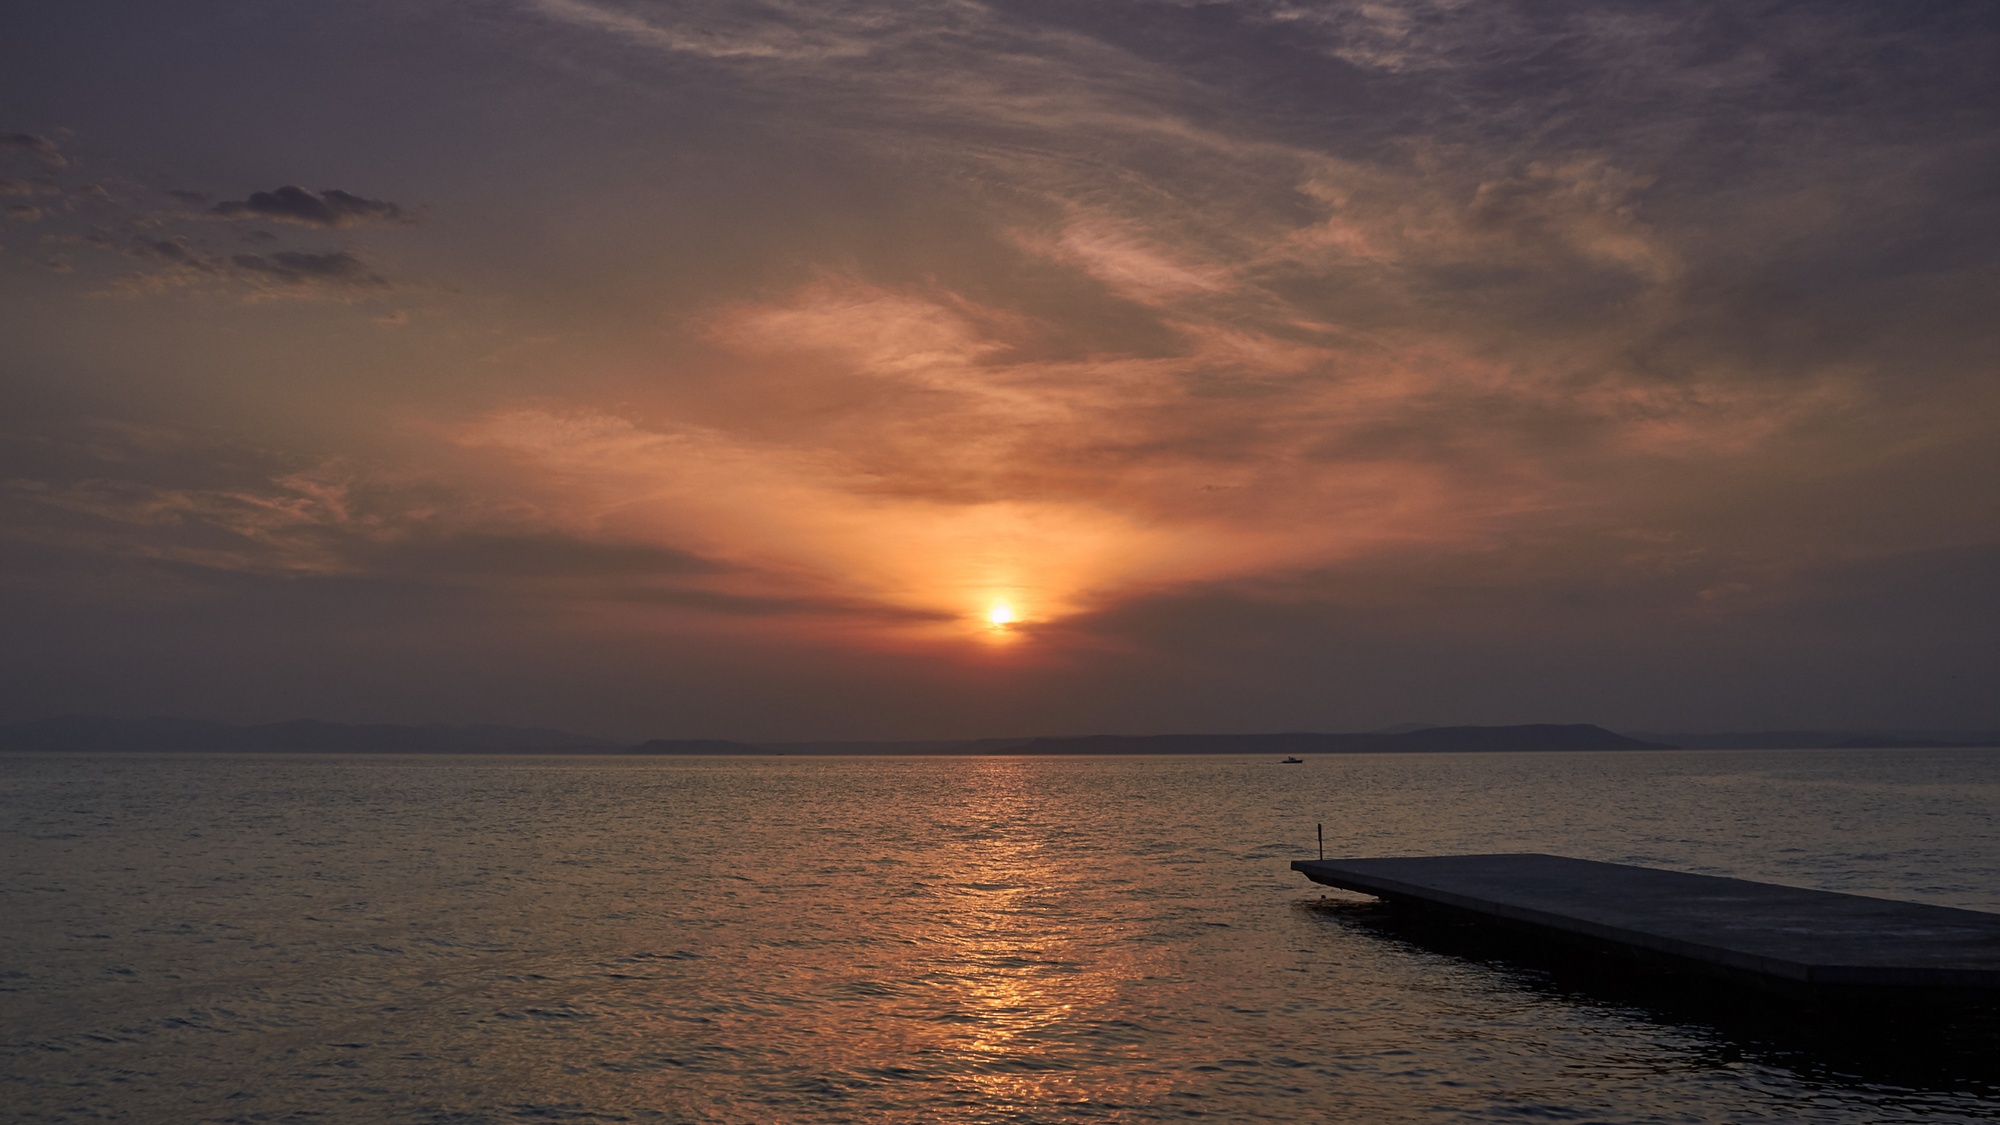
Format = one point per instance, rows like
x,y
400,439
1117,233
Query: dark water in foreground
x,y
371,939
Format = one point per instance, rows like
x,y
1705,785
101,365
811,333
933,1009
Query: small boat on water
x,y
1293,762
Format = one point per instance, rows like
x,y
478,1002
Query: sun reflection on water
x,y
1035,996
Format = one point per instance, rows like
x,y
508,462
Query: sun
x,y
1000,614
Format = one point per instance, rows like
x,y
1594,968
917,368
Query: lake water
x,y
470,940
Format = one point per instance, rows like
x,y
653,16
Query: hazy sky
x,y
721,369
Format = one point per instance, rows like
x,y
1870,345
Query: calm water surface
x,y
466,940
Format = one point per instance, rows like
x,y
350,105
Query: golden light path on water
x,y
1030,977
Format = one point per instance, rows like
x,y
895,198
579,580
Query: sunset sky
x,y
862,369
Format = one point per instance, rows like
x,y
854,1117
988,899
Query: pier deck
x,y
1816,943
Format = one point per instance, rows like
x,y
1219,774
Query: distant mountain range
x,y
1537,736
1828,739
306,736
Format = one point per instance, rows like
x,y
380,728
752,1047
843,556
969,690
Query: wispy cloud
x,y
38,147
292,204
768,30
181,263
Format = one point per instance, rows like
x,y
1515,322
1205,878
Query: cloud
x,y
330,208
1129,267
958,477
740,605
41,148
198,499
22,213
337,274
535,555
774,31
260,526
290,267
176,249
185,501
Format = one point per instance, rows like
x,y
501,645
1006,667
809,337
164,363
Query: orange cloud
x,y
964,480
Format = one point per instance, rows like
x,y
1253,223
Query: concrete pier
x,y
1818,944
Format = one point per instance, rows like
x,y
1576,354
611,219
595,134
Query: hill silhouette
x,y
696,746
1533,736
